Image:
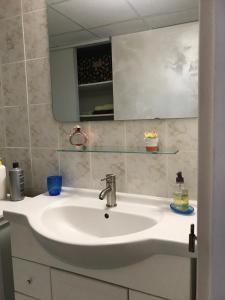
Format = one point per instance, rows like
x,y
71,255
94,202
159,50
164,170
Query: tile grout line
x,y
167,158
125,156
27,94
11,17
24,60
16,147
90,161
83,28
40,104
34,10
58,146
37,58
147,27
3,109
34,104
14,62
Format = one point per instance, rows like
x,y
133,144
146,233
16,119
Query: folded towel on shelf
x,y
103,112
108,106
103,109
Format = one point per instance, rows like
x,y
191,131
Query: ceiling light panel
x,y
154,7
57,23
120,28
71,38
96,13
171,19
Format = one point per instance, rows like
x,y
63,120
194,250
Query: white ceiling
x,y
78,21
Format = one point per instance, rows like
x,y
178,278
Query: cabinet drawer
x,y
32,279
69,286
140,296
22,297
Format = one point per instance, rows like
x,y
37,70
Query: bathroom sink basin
x,y
78,228
83,231
92,224
88,234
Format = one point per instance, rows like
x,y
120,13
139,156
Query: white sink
x,y
88,224
87,233
79,229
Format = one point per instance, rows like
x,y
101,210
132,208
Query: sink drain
x,y
106,216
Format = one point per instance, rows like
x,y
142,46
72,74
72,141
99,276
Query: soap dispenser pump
x,y
180,196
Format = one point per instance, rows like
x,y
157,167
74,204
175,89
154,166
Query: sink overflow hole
x,y
106,216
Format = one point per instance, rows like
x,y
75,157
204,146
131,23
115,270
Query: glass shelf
x,y
138,150
95,84
96,116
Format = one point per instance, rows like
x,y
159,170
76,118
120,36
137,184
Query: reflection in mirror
x,y
108,63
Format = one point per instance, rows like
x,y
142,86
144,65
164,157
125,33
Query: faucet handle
x,y
108,177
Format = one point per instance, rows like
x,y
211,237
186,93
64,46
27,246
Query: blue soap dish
x,y
189,211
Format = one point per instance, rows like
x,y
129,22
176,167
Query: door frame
x,y
211,183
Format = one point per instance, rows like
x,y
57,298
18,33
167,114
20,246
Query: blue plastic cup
x,y
54,184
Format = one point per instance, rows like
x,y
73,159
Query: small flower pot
x,y
152,144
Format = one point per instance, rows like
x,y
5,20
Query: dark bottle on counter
x,y
16,182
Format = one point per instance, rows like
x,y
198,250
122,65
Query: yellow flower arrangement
x,y
151,135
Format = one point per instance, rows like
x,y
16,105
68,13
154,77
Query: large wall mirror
x,y
123,59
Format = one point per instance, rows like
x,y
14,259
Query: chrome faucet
x,y
110,190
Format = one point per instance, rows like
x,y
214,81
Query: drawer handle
x,y
29,281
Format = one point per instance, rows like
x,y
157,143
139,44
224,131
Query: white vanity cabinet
x,y
68,286
159,275
35,281
40,273
133,295
31,279
19,296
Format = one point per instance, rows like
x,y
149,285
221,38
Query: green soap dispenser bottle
x,y
180,196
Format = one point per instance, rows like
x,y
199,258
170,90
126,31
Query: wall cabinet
x,y
82,86
96,82
155,73
65,95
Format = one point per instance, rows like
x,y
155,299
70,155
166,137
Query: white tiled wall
x,y
29,134
136,173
